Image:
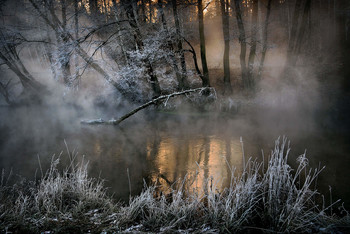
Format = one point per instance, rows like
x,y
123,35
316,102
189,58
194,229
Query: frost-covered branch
x,y
99,28
152,102
56,25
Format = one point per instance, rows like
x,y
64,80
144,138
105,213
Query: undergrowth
x,y
264,198
64,201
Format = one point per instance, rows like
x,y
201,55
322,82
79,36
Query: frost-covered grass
x,y
274,199
265,198
64,201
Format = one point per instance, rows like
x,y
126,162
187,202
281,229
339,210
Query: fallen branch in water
x,y
152,102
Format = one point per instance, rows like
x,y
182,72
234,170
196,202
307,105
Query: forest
x,y
141,50
160,116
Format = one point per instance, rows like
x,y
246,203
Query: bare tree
x,y
179,39
205,78
301,34
124,59
64,52
170,46
242,41
131,12
76,35
297,33
9,55
293,32
150,11
93,7
253,41
142,15
194,56
264,41
56,25
225,27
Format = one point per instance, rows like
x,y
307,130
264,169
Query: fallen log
x,y
152,102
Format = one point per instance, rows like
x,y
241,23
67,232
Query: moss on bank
x,y
265,198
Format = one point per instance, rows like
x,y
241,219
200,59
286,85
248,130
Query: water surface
x,y
163,148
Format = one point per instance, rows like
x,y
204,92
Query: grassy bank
x,y
266,198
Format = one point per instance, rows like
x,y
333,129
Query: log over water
x,y
152,102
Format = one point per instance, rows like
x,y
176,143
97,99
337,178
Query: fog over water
x,y
165,144
163,147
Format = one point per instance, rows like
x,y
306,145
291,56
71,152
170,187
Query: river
x,y
164,147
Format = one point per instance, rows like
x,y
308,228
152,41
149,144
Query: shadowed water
x,y
162,148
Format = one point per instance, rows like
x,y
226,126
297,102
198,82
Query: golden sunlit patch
x,y
103,6
207,157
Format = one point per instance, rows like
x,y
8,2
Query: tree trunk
x,y
76,32
217,8
242,41
297,37
143,11
225,27
180,47
252,53
30,85
93,7
56,25
150,10
170,46
303,26
125,56
288,4
264,41
63,48
131,14
293,33
205,79
48,50
194,55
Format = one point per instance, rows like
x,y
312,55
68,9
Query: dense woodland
x,y
139,50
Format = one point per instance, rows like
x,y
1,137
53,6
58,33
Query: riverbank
x,y
270,197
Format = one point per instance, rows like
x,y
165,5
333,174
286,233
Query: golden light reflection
x,y
97,148
202,161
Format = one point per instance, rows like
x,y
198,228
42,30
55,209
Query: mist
x,y
282,71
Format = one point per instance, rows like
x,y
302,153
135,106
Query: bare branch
x,y
152,102
194,58
96,29
56,25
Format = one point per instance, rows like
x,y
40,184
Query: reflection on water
x,y
202,157
166,148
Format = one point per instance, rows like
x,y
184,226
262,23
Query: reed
x,y
270,197
61,200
